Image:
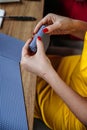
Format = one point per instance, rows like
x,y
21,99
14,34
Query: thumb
x,y
40,45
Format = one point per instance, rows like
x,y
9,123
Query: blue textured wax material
x,y
10,47
12,105
45,38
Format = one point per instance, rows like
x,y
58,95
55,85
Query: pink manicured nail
x,y
39,38
45,30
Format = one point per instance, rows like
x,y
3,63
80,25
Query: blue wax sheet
x,y
10,47
12,105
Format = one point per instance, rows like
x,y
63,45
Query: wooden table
x,y
23,30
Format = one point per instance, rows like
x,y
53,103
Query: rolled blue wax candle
x,y
45,39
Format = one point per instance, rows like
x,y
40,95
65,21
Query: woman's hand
x,y
59,25
37,63
56,24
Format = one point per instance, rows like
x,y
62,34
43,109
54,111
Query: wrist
x,y
50,75
76,25
80,28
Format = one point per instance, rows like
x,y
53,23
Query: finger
x,y
40,46
38,27
27,43
42,22
25,48
51,28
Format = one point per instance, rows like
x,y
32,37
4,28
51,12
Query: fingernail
x,y
39,38
45,30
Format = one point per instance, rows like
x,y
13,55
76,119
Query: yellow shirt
x,y
49,106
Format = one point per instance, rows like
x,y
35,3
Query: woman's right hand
x,y
56,24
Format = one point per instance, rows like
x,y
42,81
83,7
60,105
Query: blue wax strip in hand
x,y
45,39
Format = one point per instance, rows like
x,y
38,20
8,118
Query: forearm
x,y
80,29
76,103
